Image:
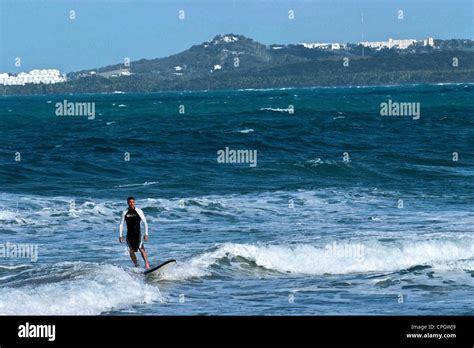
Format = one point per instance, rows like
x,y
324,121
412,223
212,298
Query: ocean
x,y
343,211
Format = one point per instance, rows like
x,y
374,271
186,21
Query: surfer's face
x,y
131,204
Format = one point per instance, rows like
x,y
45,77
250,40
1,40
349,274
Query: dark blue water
x,y
392,194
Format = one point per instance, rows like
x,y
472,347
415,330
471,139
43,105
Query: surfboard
x,y
159,267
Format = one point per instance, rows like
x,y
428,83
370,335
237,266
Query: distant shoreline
x,y
240,90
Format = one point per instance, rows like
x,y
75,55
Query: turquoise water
x,y
248,239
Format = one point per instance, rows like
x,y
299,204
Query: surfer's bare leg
x,y
145,257
134,258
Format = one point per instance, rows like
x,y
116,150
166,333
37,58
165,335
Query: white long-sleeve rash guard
x,y
124,217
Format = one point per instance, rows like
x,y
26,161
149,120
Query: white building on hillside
x,y
391,43
375,44
398,44
428,42
46,76
324,46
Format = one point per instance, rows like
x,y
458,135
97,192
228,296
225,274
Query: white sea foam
x,y
101,288
288,110
13,217
311,260
146,183
14,266
7,215
245,131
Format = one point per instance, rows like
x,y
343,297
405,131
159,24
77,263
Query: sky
x,y
42,34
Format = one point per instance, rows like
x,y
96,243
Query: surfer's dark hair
x,y
130,198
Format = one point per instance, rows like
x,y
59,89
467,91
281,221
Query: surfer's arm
x,y
142,216
121,224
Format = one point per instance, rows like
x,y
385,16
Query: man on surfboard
x,y
133,216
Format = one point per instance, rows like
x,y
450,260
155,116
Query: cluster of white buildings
x,y
46,76
398,44
324,46
378,45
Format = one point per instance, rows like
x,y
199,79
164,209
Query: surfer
x,y
133,216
